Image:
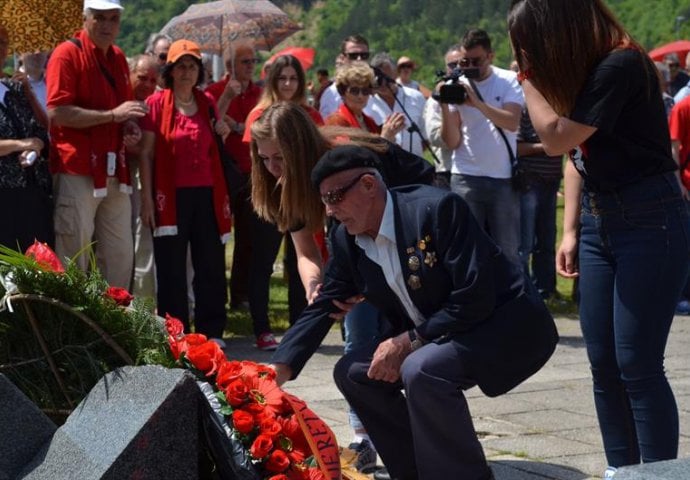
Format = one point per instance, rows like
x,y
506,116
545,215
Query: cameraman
x,y
481,163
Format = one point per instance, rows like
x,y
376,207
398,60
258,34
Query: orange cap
x,y
179,48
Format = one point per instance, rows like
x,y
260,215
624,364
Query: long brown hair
x,y
270,94
561,41
291,201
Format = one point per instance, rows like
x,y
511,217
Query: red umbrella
x,y
303,54
680,47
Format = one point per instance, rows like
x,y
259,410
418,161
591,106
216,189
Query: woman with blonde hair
x,y
355,84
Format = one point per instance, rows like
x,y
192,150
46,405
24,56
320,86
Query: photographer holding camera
x,y
485,100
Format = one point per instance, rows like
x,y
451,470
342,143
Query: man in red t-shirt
x,y
92,113
237,95
679,126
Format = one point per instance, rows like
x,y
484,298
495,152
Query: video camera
x,y
454,92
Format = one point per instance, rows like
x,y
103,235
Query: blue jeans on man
x,y
538,234
496,206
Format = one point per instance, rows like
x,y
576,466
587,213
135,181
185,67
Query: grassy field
x,y
239,321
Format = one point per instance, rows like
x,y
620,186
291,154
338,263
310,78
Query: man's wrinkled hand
x,y
388,358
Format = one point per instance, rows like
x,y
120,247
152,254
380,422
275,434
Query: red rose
x,y
206,357
297,456
278,461
195,338
121,296
236,393
270,427
261,447
228,372
174,326
242,421
45,257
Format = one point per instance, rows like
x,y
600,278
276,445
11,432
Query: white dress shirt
x,y
384,252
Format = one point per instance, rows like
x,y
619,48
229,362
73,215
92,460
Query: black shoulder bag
x,y
234,179
518,178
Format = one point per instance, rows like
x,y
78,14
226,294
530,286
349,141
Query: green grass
x,y
239,322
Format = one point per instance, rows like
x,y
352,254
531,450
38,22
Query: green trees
x,y
421,29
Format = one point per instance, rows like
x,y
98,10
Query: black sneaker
x,y
366,456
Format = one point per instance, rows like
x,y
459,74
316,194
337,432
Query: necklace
x,y
182,103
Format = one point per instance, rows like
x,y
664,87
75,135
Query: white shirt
x,y
413,101
384,252
39,88
482,151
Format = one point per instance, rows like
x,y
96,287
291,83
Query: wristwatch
x,y
415,341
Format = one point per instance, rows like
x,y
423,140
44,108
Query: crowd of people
x,y
439,270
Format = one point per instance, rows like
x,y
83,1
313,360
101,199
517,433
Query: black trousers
x,y
198,229
242,213
427,432
27,216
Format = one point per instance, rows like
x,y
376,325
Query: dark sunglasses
x,y
405,65
673,65
163,56
452,65
357,90
358,55
250,61
336,196
475,62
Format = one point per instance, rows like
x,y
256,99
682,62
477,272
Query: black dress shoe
x,y
382,474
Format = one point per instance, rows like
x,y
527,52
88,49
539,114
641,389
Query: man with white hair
x,y
92,113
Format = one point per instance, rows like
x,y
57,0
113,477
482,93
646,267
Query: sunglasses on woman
x,y
359,90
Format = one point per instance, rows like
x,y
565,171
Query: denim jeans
x,y
496,206
538,235
633,260
361,326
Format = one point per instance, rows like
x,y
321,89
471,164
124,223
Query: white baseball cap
x,y
103,4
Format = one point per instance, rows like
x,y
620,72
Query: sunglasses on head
x,y
471,61
358,55
359,90
336,195
250,61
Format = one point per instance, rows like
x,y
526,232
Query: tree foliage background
x,y
420,29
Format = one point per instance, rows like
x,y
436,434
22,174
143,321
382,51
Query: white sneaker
x,y
609,473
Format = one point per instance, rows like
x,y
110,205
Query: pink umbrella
x,y
679,47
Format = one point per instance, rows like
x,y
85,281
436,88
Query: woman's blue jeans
x,y
633,260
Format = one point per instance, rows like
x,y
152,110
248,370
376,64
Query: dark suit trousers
x,y
427,432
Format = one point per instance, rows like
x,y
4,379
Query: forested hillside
x,y
421,29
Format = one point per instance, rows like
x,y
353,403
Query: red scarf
x,y
164,171
102,136
347,114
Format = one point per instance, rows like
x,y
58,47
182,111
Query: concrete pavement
x,y
545,428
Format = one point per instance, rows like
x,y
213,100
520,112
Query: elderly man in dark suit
x,y
460,315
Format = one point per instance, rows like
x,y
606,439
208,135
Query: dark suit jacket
x,y
459,280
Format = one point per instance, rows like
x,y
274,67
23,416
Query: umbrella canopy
x,y
216,25
35,25
680,47
305,56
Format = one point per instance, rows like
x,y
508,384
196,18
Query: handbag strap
x,y
513,159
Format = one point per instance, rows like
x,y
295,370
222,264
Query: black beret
x,y
341,158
